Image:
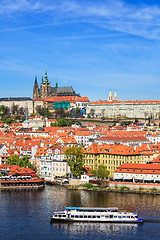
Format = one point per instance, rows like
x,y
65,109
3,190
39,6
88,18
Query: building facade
x,y
130,109
19,101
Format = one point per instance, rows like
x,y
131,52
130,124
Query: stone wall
x,y
133,186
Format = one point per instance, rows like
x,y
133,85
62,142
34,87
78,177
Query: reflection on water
x,y
30,211
80,228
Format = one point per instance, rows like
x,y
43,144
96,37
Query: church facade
x,y
46,91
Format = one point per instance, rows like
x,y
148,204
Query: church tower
x,y
115,96
110,96
35,89
45,86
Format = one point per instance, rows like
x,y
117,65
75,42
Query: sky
x,y
91,45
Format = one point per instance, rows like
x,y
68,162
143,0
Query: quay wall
x,y
133,186
21,187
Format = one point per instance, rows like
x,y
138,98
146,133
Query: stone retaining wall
x,y
134,185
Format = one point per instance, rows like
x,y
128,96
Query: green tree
x,y
21,162
75,157
21,111
102,172
9,120
77,112
93,171
60,113
14,109
39,109
13,160
69,122
61,122
4,111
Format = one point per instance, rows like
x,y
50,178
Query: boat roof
x,y
90,208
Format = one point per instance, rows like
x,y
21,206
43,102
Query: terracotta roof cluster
x,y
125,102
138,168
67,99
16,170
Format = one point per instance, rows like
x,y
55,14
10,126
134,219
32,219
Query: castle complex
x,y
66,98
46,90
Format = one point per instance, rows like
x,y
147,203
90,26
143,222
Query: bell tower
x,y
110,96
115,96
35,89
45,86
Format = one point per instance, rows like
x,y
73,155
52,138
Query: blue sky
x,y
92,45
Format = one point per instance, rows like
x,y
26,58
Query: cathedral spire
x,y
115,96
35,83
45,78
110,96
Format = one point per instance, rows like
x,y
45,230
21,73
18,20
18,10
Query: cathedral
x,y
46,90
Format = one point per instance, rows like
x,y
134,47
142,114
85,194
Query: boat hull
x,y
139,221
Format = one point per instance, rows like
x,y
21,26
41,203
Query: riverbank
x,y
8,188
121,188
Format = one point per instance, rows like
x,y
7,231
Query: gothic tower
x,y
110,96
35,89
45,86
115,96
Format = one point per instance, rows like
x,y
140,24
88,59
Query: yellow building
x,y
111,156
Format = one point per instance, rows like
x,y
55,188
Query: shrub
x,y
154,189
124,188
141,189
88,185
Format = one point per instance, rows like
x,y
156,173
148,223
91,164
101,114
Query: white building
x,y
82,138
134,172
131,109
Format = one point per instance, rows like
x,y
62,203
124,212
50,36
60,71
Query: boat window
x,y
59,215
106,216
85,216
89,216
98,216
93,216
111,216
124,217
64,215
81,216
128,216
55,215
76,216
119,217
115,216
72,216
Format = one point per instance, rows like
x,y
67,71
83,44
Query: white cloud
x,y
142,20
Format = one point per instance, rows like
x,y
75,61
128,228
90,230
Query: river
x,y
24,215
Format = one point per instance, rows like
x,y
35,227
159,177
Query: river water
x,y
24,215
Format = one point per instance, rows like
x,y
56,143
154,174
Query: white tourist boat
x,y
90,214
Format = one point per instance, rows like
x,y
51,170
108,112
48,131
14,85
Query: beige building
x,y
20,101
